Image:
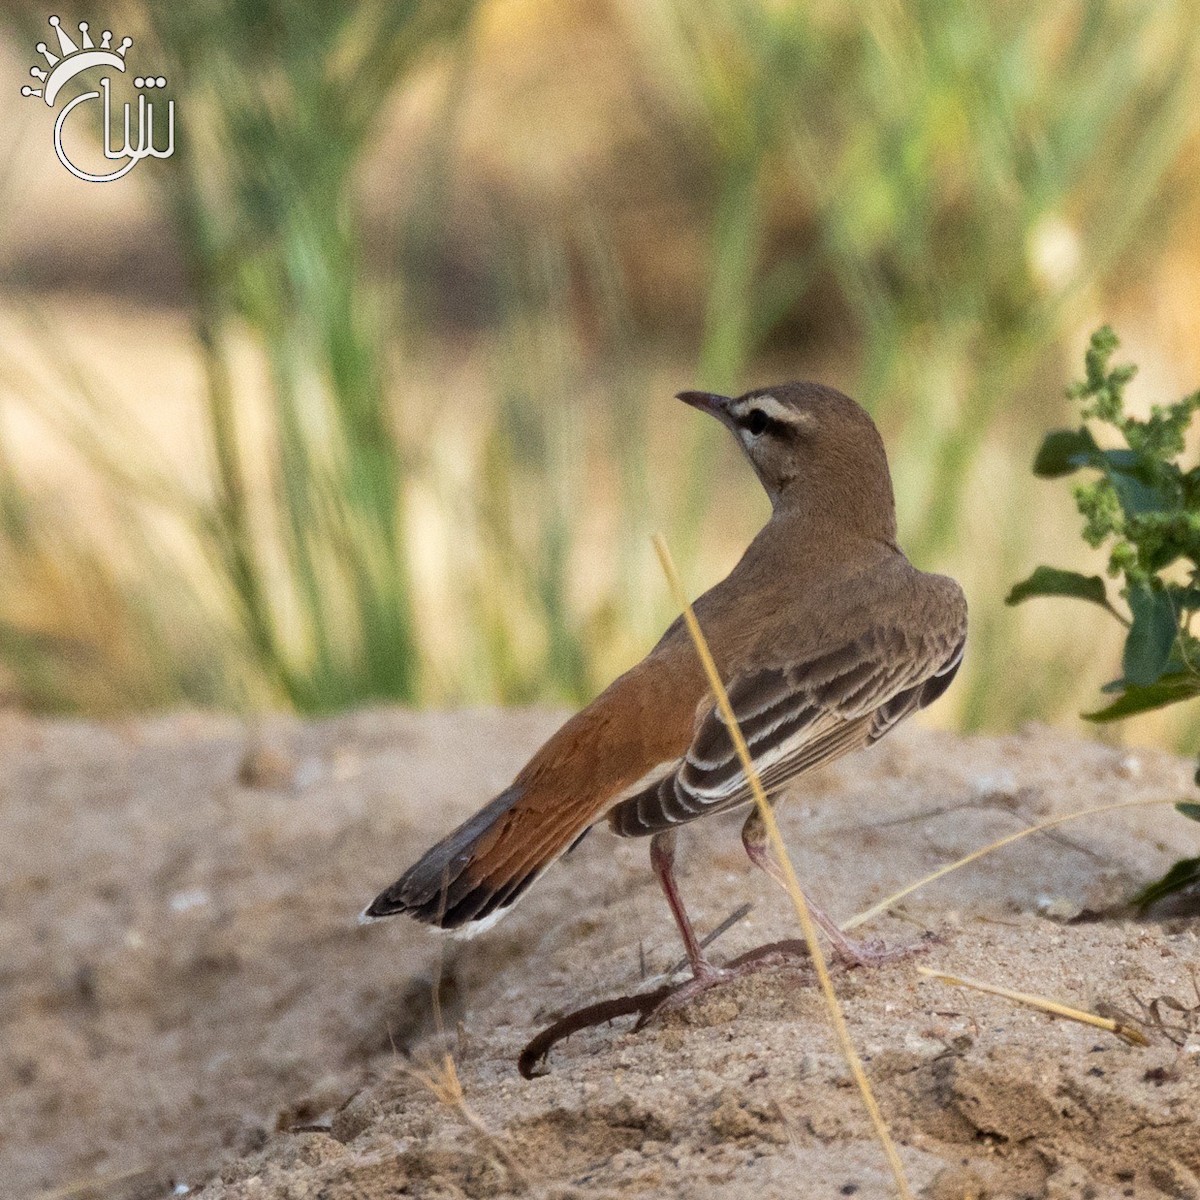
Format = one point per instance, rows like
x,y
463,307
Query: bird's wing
x,y
796,717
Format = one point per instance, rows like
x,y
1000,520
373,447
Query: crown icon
x,y
73,59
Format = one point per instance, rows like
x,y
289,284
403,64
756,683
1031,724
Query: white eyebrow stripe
x,y
773,409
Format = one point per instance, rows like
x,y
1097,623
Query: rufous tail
x,y
477,872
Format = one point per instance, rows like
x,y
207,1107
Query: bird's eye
x,y
756,422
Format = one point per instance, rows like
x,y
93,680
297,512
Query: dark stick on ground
x,y
644,1004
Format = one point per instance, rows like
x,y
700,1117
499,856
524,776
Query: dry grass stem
x,y
1125,1032
877,910
445,1085
740,913
767,815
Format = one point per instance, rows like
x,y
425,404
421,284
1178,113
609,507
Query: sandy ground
x,y
184,991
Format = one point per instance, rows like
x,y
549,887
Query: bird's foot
x,y
709,976
668,998
872,952
704,976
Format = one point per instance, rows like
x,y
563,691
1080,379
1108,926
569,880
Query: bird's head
x,y
814,450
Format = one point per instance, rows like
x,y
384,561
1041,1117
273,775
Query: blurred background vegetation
x,y
365,394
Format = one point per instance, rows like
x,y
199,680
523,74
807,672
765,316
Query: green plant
x,y
387,504
302,541
941,165
1143,507
923,185
283,101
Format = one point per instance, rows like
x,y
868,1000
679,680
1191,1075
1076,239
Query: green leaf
x,y
1050,581
1064,451
1137,497
1187,598
1129,461
1183,874
1170,689
1151,637
1189,810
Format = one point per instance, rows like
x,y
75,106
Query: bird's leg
x,y
851,951
704,974
662,859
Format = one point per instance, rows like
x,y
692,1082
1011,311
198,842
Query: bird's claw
x,y
874,952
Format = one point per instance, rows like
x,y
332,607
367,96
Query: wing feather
x,y
795,718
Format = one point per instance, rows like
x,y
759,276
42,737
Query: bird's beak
x,y
717,406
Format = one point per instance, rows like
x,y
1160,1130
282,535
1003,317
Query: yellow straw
x,y
879,909
1126,1032
767,815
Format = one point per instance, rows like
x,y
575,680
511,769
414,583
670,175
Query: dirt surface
x,y
184,990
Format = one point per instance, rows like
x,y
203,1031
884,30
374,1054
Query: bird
x,y
825,636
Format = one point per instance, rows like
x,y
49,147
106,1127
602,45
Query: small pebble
x,y
195,898
1058,908
1130,767
268,768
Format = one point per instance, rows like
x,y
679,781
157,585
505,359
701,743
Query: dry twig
x,y
1127,1033
445,1084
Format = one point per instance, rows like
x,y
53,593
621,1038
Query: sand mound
x,y
184,987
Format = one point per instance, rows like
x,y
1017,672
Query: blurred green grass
x,y
921,203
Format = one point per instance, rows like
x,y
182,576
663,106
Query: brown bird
x,y
824,633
